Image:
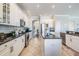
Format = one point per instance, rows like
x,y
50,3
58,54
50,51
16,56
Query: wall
x,y
47,20
63,22
75,20
66,23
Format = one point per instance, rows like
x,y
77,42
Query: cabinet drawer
x,y
6,45
5,52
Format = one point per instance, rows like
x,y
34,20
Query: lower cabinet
x,y
72,42
52,47
68,40
5,49
5,52
18,45
75,43
23,41
13,48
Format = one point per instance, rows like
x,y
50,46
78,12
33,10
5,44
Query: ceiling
x,y
36,9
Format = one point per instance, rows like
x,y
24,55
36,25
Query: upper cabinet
x,y
5,13
1,13
16,14
14,20
11,14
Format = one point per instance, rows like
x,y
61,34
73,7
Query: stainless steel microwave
x,y
22,23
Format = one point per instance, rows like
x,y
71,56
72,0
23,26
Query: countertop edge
x,y
11,39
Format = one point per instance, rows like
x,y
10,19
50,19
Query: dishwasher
x,y
26,39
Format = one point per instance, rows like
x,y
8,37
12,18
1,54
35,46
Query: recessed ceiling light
x,y
69,6
53,6
38,6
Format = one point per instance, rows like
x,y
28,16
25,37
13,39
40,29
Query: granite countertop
x,y
52,37
73,34
9,39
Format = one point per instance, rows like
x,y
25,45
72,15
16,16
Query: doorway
x,y
35,27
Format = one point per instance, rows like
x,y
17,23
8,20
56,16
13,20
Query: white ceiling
x,y
46,8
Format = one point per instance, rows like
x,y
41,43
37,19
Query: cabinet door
x,y
1,13
23,41
19,45
16,47
52,47
68,40
14,15
5,49
5,52
13,49
75,42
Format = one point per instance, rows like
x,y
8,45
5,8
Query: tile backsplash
x,y
6,29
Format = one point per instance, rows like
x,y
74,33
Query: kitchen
x,y
56,26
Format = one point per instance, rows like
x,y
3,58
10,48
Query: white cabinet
x,y
68,40
18,45
72,41
1,13
23,41
13,48
5,52
4,13
14,12
5,49
75,42
52,47
10,14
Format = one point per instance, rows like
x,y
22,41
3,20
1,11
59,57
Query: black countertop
x,y
52,37
10,38
73,34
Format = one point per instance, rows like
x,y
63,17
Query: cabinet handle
x,y
5,45
11,49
